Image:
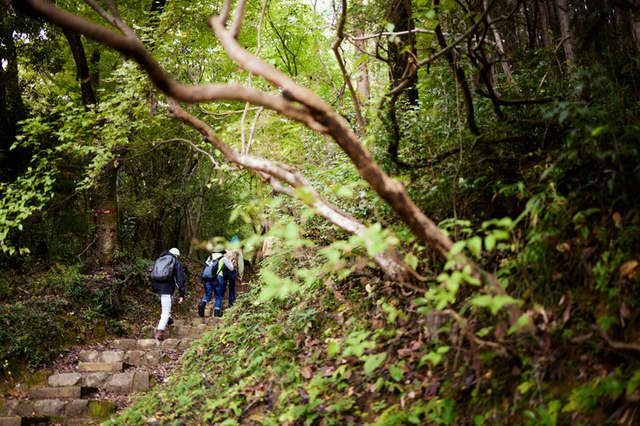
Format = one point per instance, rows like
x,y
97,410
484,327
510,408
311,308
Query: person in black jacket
x,y
165,291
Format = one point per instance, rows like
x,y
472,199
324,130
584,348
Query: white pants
x,y
165,301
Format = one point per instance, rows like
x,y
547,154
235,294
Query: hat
x,y
234,239
174,251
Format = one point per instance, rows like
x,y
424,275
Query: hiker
x,y
167,274
240,260
233,268
210,283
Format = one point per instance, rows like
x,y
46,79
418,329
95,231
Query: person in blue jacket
x,y
165,290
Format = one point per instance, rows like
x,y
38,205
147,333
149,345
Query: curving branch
x,y
295,102
276,173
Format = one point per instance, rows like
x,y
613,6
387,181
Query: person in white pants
x,y
165,289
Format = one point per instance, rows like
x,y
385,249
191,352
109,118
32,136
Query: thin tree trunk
x,y
567,33
502,58
462,80
400,62
545,23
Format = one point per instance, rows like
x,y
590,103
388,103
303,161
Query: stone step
x,y
15,421
146,344
130,357
182,332
101,379
61,392
71,412
100,366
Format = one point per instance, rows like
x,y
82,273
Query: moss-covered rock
x,y
39,378
100,409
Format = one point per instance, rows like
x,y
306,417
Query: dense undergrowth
x,y
315,345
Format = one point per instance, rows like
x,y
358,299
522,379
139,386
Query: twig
x,y
613,344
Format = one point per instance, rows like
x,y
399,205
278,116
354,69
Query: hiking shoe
x,y
201,308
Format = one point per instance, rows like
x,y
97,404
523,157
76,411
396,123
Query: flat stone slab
x,y
100,366
10,421
51,393
105,356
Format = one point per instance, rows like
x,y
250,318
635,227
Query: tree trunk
x,y
106,213
12,108
400,63
501,55
567,33
462,80
82,69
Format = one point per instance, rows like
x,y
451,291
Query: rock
x,y
112,356
9,408
154,357
147,344
120,383
95,380
170,344
89,356
77,408
126,344
65,379
22,388
49,407
141,380
134,357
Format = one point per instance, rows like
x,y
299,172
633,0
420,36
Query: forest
x,y
453,188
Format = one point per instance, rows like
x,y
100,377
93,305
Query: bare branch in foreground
x,y
296,102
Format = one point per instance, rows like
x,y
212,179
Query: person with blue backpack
x,y
211,278
166,275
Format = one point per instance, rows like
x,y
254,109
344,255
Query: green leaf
x,y
475,246
333,348
374,361
633,383
431,357
522,322
396,372
345,192
411,260
420,301
494,303
490,242
599,129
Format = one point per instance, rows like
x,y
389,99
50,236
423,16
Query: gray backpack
x,y
162,270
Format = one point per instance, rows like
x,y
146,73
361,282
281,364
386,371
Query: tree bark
x,y
106,213
401,63
462,80
82,69
567,33
545,23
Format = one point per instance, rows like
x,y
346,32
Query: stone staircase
x,y
84,394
